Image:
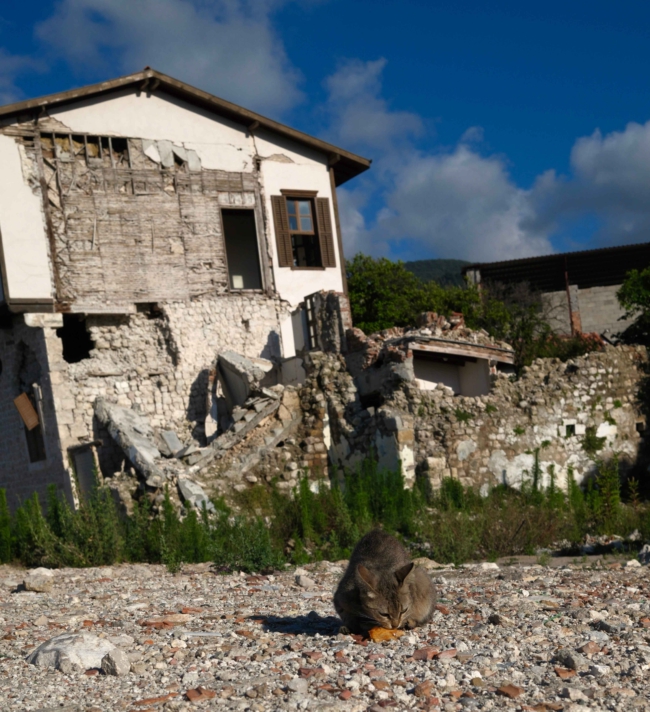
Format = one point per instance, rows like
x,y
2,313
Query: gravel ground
x,y
508,637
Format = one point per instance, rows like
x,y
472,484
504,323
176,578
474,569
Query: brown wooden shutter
x,y
325,232
282,234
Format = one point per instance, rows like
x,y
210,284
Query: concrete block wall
x,y
600,310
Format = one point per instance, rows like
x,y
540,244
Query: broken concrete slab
x,y
172,441
239,431
241,376
194,494
133,433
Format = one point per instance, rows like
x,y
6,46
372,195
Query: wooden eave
x,y
345,165
464,348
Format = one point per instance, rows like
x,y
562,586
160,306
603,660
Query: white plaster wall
x,y
286,165
221,144
22,227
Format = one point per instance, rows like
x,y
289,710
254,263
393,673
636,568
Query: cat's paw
x,y
344,630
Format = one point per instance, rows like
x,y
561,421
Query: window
x,y
304,240
303,229
240,238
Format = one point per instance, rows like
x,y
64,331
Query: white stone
x,y
116,662
81,650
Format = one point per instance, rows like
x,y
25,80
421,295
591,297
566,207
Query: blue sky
x,y
497,130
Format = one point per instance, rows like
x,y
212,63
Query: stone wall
x,y
158,361
483,441
23,362
546,414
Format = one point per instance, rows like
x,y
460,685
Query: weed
x,y
544,558
490,408
591,443
518,430
462,415
618,404
545,444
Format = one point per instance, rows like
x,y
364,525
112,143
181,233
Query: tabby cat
x,y
383,587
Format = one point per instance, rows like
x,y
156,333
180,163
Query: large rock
x,y
71,650
240,376
39,580
116,662
132,431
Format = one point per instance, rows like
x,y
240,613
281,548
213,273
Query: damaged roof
x,y
346,165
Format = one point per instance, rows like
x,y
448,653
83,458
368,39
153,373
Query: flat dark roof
x,y
587,268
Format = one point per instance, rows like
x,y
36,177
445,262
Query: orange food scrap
x,y
382,635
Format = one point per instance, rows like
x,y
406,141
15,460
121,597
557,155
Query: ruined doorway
x,y
240,237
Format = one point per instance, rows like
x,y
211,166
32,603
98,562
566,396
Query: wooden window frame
x,y
304,195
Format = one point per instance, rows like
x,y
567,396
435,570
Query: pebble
x,y
202,640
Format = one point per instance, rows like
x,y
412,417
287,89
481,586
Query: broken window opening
x,y
240,237
35,444
77,343
150,309
120,152
640,426
304,238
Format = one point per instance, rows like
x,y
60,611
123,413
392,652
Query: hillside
x,y
442,271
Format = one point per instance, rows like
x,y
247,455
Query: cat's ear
x,y
367,576
403,572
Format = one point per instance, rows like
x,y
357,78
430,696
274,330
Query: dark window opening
x,y
35,444
372,400
306,251
150,309
240,237
570,430
640,426
304,238
77,343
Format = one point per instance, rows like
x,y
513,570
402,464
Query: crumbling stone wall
x,y
538,420
493,439
157,361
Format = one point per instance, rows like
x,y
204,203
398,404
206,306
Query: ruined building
x,y
146,226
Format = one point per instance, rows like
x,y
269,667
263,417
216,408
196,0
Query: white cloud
x,y
610,180
460,204
227,47
456,203
360,116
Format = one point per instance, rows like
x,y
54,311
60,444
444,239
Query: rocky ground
x,y
504,637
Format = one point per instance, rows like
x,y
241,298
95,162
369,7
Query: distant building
x,y
578,288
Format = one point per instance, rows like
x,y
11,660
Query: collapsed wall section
x,y
157,361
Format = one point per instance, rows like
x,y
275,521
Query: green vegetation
x,y
634,297
518,430
462,416
268,530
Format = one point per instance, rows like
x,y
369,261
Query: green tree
x,y
634,297
383,293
